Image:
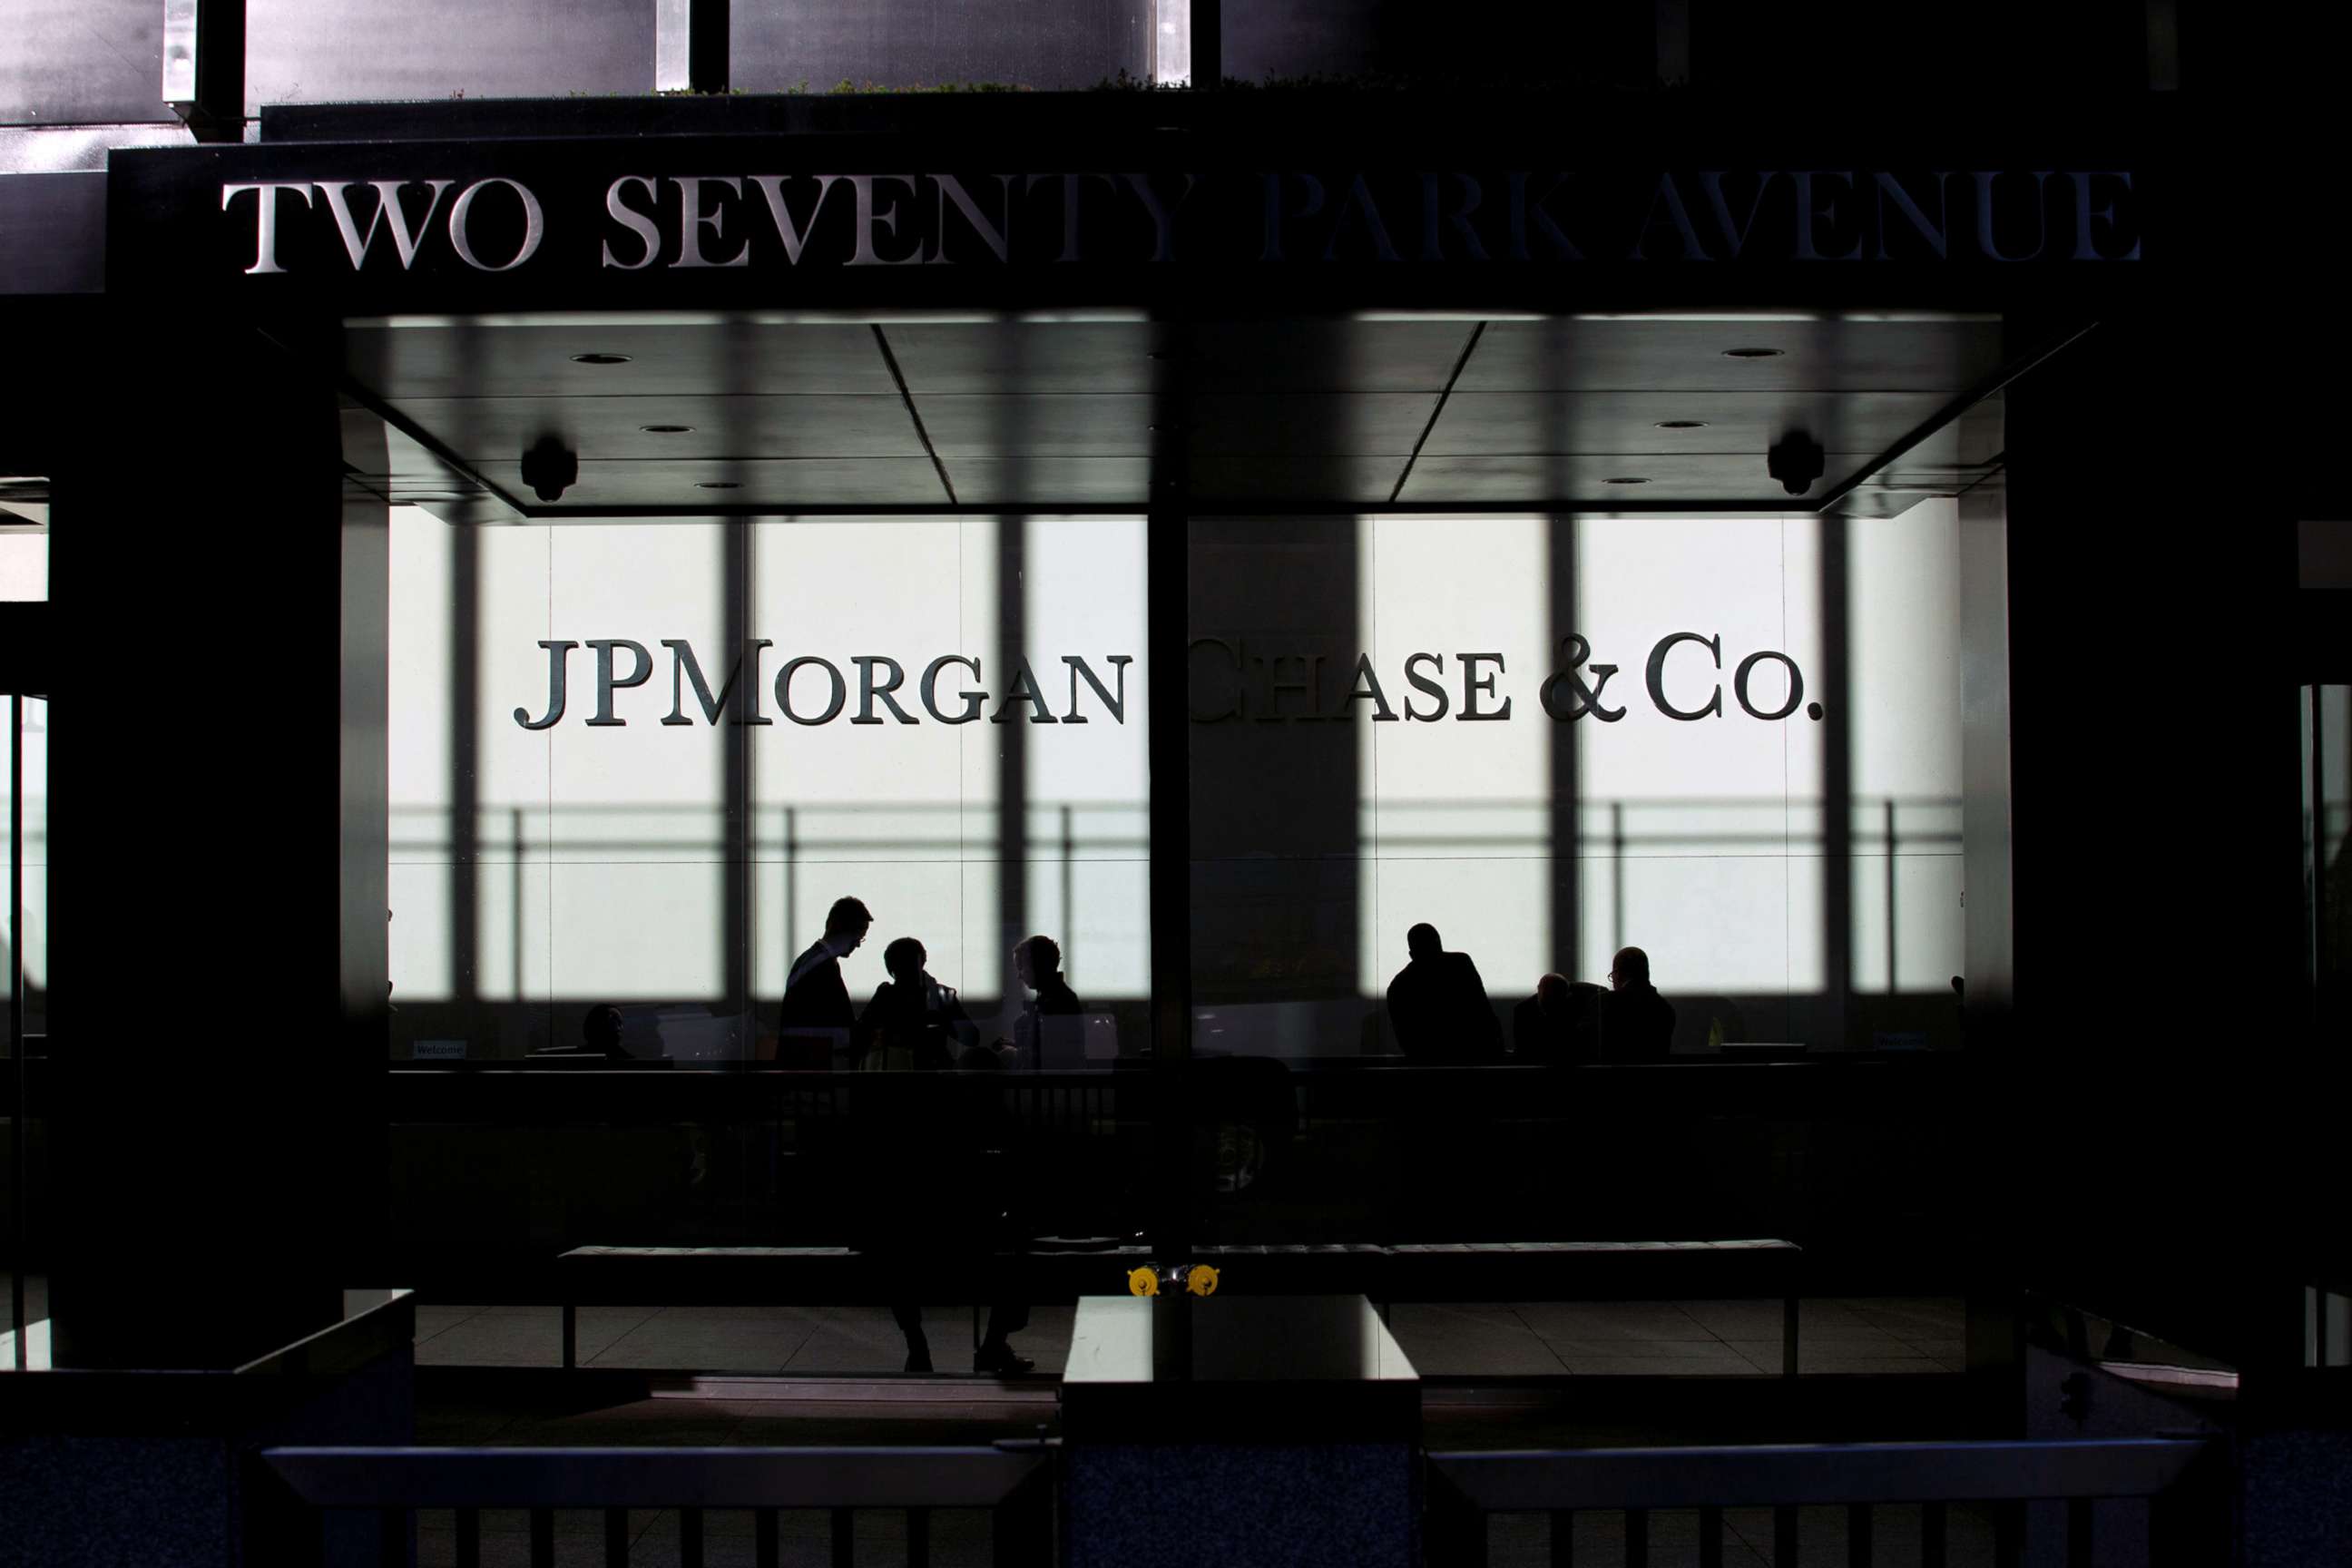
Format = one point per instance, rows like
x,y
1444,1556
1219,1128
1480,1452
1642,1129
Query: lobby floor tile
x,y
1633,1321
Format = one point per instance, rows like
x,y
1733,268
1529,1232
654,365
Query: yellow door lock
x,y
1199,1278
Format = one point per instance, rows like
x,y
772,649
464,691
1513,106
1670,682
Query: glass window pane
x,y
943,719
1448,774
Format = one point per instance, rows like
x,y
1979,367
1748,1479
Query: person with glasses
x,y
1637,1025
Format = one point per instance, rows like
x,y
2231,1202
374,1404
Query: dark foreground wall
x,y
2155,1088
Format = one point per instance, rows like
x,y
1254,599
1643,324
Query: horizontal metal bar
x,y
1514,1481
652,1478
787,511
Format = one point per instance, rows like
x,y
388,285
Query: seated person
x,y
1637,1025
916,1021
1439,1008
1556,1025
600,1037
600,1034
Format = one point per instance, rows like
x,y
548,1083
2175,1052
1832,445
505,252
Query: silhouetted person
x,y
913,1019
600,1034
599,1038
1637,1025
928,1181
1438,1004
815,1017
1555,1026
1052,1025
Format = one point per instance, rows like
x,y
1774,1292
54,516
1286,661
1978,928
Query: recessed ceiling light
x,y
600,359
666,429
1624,481
1680,424
717,485
1753,354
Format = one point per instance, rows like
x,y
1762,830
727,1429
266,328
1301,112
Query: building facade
x,y
597,489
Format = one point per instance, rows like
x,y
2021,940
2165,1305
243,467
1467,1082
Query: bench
x,y
1429,1271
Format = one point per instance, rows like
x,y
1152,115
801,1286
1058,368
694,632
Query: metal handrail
x,y
1799,1475
654,1477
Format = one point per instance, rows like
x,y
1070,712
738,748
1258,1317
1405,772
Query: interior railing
x,y
324,1493
1993,1480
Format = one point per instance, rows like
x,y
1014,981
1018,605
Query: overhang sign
x,y
440,222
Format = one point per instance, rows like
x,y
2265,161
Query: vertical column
x,y
693,41
1208,29
1561,538
1012,755
20,1120
464,780
204,67
1828,1026
362,794
1172,866
736,968
739,796
1012,737
1674,29
1166,618
1990,973
1566,890
218,1125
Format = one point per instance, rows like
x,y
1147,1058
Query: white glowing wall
x,y
1701,841
599,864
600,860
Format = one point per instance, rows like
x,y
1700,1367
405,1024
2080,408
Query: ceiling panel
x,y
1882,501
693,357
1039,414
799,425
1681,354
1302,422
1023,356
1325,356
781,485
1047,482
1340,478
1714,478
1064,423
1308,424
1495,423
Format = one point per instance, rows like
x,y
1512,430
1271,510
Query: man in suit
x,y
1637,1025
1439,1008
1051,1027
816,1016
